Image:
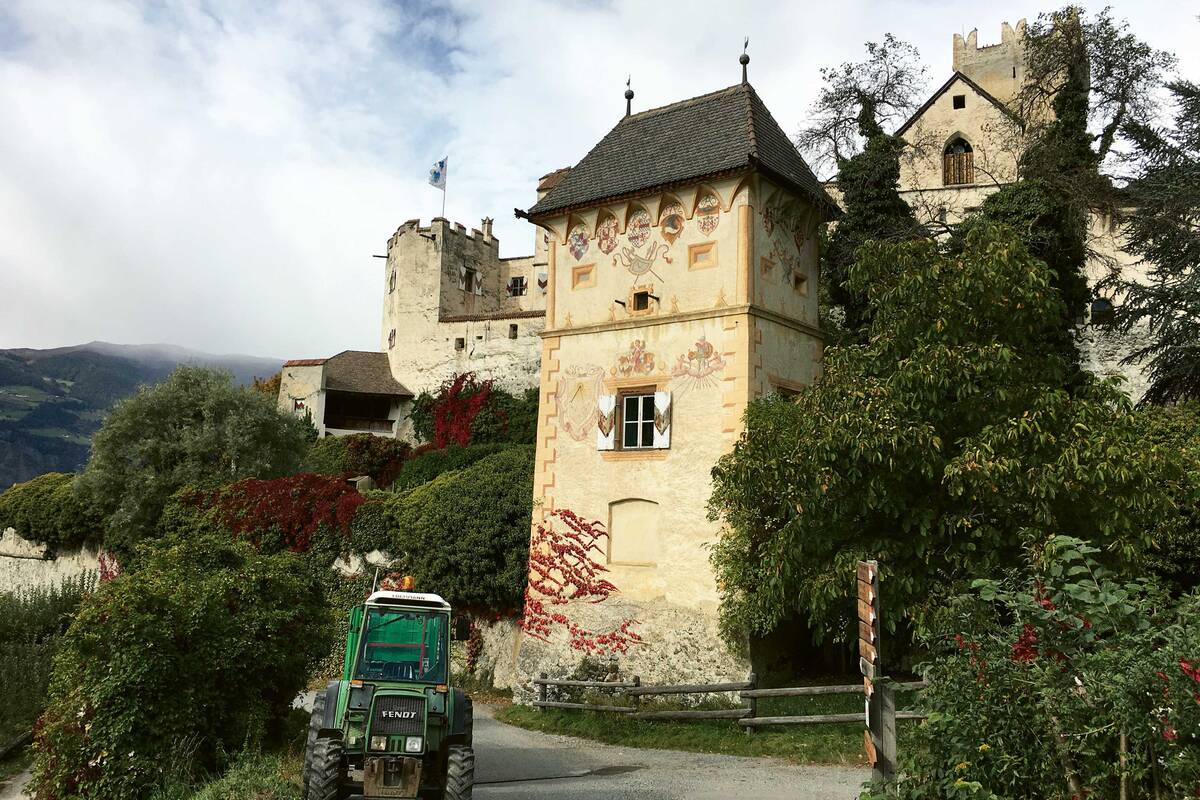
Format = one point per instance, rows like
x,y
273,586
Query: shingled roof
x,y
725,132
362,372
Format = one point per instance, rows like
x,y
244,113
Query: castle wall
x,y
27,565
306,384
443,323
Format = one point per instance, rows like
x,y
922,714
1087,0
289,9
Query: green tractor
x,y
392,726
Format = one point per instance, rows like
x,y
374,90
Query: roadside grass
x,y
254,776
839,744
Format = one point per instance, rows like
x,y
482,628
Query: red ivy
x,y
1025,648
458,403
562,569
109,566
295,507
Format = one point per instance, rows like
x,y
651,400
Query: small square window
x,y
960,101
637,421
479,338
641,301
516,286
702,255
800,283
512,330
583,276
460,343
298,404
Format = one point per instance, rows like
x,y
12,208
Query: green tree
x,y
47,509
943,448
847,129
194,429
1162,230
195,655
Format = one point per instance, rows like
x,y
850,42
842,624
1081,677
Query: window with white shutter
x,y
606,422
662,420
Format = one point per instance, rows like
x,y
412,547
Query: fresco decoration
x,y
606,234
578,389
605,422
766,265
708,213
789,236
671,223
639,228
577,241
640,264
636,362
695,369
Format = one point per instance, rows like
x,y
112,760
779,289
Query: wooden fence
x,y
748,691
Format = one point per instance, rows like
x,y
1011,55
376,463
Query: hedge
x,y
193,657
465,534
48,510
428,465
359,454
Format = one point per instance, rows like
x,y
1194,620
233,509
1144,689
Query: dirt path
x,y
14,787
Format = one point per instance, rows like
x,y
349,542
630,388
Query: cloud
x,y
218,175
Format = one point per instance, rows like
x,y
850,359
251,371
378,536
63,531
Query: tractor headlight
x,y
379,743
413,744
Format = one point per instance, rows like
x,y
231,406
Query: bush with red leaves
x,y
283,513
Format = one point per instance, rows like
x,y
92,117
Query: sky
x,y
218,175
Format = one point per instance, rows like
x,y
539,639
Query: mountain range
x,y
52,401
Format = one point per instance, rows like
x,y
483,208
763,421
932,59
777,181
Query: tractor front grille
x,y
398,716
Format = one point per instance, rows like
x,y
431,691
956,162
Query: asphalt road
x,y
516,763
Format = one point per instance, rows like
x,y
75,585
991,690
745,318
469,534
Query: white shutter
x,y
662,420
543,281
606,422
479,283
462,276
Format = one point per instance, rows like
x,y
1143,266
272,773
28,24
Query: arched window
x,y
958,167
1102,311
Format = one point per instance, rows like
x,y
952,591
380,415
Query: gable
x,y
978,101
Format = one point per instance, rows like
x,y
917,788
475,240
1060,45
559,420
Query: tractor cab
x,y
392,727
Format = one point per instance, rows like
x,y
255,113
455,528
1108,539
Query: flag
x,y
437,175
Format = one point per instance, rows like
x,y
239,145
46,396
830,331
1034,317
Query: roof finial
x,y
628,96
744,59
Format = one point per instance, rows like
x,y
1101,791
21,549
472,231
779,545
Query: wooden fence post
x,y
637,698
752,679
541,691
885,768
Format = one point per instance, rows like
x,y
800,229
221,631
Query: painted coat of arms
x,y
606,235
578,390
639,228
696,369
708,213
672,222
577,242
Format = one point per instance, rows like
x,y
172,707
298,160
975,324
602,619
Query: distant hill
x,y
52,401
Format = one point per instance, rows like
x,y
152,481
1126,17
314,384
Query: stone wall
x,y
28,565
998,68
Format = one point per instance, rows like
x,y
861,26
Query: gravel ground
x,y
512,762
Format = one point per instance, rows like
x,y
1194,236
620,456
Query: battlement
x,y
998,68
440,227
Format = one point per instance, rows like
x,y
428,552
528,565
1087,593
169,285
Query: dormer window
x,y
958,167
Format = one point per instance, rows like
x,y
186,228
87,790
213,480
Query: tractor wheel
x,y
323,772
460,772
314,727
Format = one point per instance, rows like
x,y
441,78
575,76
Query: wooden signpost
x,y
879,739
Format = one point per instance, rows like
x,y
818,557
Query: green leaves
x,y
945,447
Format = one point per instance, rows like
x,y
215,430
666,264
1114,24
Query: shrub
x,y
427,465
467,411
207,643
32,622
343,593
359,454
47,509
1062,685
297,513
1174,431
465,535
196,429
